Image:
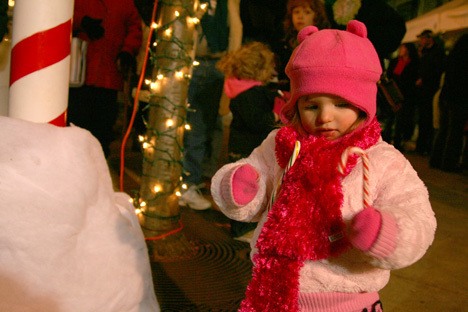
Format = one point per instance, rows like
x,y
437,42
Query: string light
x,y
169,123
146,145
179,74
168,32
157,188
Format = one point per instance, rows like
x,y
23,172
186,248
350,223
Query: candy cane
x,y
365,170
292,160
40,60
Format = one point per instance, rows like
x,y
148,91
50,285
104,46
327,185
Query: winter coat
x,y
430,70
252,119
406,81
122,33
395,189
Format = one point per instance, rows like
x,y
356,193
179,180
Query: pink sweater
x,y
396,191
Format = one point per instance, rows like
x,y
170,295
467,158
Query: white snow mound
x,y
68,241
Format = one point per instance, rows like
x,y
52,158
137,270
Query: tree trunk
x,y
163,143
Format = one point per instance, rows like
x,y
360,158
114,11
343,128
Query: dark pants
x,y
404,124
425,125
94,109
448,144
204,93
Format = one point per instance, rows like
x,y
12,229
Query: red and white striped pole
x,y
40,60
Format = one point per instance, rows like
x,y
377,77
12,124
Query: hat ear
x,y
358,28
305,32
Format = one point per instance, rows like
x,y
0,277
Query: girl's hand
x,y
244,184
374,232
365,228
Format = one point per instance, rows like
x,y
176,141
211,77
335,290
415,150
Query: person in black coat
x,y
404,70
430,71
453,109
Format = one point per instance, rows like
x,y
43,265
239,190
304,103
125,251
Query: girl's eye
x,y
311,107
343,105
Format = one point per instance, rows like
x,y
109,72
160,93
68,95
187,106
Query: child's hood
x,y
234,86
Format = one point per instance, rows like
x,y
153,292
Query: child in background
x,y
247,72
299,14
317,247
254,113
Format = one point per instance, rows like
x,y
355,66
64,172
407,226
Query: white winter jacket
x,y
396,190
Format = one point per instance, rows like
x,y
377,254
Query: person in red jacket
x,y
113,32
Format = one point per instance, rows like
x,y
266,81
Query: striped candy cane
x,y
365,170
40,60
292,160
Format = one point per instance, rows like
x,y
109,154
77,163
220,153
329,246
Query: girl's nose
x,y
324,115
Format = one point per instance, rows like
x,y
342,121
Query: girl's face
x,y
328,116
302,16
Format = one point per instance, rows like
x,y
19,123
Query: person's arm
x,y
248,200
235,25
133,37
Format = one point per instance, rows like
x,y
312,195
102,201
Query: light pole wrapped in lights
x,y
161,184
40,60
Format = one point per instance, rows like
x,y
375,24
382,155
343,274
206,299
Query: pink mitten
x,y
244,184
365,228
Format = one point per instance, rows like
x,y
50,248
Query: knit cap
x,y
336,62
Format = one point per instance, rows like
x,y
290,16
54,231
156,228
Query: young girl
x,y
299,14
317,246
247,72
254,114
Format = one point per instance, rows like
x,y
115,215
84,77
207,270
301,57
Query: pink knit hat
x,y
341,63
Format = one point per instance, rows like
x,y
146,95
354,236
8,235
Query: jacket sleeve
x,y
78,14
401,195
133,37
264,161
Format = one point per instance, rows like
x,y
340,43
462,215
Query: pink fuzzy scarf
x,y
305,215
